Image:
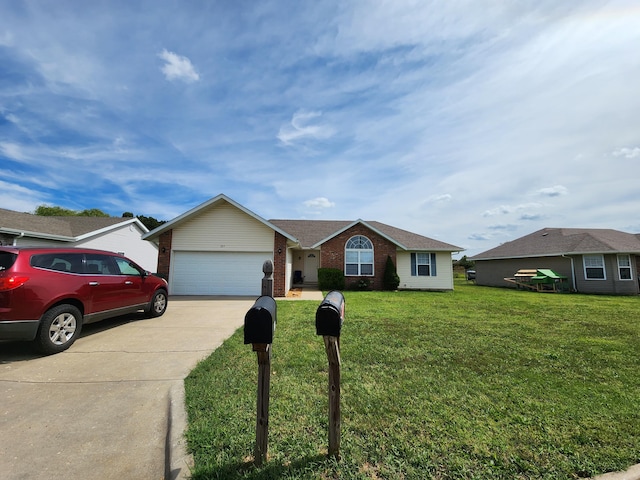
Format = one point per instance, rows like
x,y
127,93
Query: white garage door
x,y
217,273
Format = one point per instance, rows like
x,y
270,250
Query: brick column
x,y
164,254
279,265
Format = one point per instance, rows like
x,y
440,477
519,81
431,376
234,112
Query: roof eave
x,y
45,236
545,255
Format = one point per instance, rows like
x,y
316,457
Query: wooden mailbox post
x,y
259,327
329,319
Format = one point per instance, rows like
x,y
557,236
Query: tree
x,y
49,211
93,212
52,211
391,280
465,263
150,222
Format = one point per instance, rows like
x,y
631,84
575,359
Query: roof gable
x,y
313,233
194,212
563,241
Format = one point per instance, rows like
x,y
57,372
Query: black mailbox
x,y
330,315
260,321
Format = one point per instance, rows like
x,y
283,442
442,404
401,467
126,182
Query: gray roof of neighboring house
x,y
310,233
558,241
68,228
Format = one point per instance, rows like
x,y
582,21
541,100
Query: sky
x,y
472,122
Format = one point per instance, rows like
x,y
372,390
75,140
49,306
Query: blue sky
x,y
473,122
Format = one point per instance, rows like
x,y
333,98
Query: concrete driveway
x,y
112,406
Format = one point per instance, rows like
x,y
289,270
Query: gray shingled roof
x,y
558,241
310,232
70,227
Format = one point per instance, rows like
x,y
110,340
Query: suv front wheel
x,y
59,328
158,304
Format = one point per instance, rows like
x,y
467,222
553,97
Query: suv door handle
x,y
94,284
128,282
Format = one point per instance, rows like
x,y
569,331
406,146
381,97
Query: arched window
x,y
358,257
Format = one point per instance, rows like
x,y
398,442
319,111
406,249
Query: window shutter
x,y
413,265
433,265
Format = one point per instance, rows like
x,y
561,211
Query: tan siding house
x,y
219,247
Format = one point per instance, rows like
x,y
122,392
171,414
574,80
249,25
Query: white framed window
x,y
594,267
423,264
624,267
358,257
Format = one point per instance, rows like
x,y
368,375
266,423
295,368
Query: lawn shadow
x,y
270,471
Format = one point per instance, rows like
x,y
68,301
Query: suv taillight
x,y
10,283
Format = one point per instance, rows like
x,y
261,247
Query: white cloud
x,y
627,152
507,227
300,127
12,151
506,209
438,199
555,191
319,202
178,67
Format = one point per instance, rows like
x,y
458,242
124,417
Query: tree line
x,y
53,211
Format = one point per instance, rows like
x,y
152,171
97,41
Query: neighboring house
x,y
122,235
594,260
219,247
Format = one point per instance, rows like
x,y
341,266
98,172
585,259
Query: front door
x,y
311,261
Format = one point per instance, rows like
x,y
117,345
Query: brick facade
x,y
332,254
279,264
164,254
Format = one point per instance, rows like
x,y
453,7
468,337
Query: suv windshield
x,y
7,259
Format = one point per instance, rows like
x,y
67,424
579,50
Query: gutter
x,y
46,236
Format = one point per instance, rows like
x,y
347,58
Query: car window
x,y
126,267
61,262
96,264
7,259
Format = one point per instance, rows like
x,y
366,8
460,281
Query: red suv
x,y
47,294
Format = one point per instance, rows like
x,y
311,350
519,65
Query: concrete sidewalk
x,y
112,406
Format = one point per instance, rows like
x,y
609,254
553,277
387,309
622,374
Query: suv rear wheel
x,y
59,328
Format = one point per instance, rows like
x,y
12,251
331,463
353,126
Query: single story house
x,y
122,235
219,247
601,261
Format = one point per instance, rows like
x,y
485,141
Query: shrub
x,y
330,279
360,284
391,280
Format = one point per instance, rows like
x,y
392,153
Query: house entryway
x,y
311,261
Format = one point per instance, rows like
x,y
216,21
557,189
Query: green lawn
x,y
479,383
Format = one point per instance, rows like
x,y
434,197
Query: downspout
x,y
573,272
15,244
